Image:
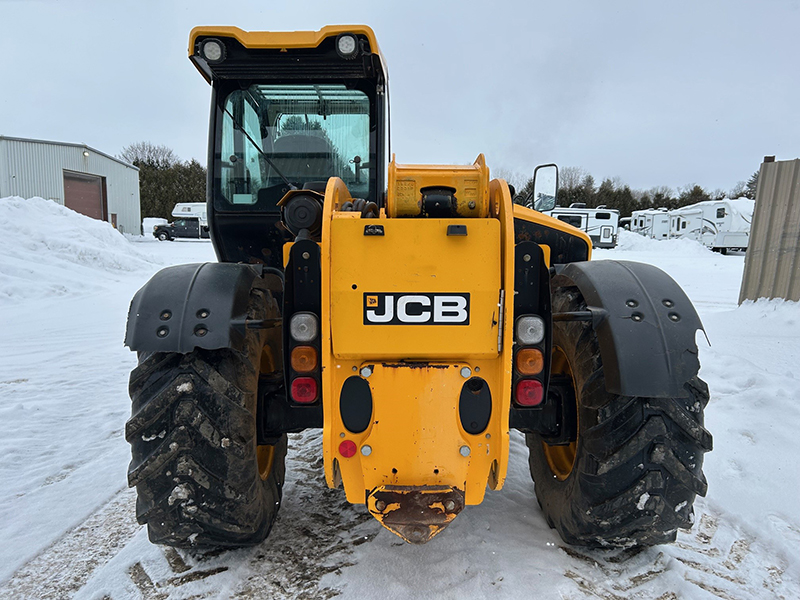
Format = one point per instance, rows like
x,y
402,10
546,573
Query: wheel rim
x,y
561,459
265,454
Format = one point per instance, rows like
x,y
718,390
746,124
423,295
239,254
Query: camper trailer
x,y
192,209
600,223
721,225
652,223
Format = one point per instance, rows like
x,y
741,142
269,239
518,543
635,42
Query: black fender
x,y
193,306
645,324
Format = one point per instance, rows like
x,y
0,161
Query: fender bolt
x,y
306,256
166,315
668,303
527,258
449,506
162,332
464,451
380,505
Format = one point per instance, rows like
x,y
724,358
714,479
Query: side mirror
x,y
545,187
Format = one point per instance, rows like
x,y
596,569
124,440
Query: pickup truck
x,y
185,227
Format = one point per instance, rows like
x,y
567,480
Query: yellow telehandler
x,y
415,314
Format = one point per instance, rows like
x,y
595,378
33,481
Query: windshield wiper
x,y
260,151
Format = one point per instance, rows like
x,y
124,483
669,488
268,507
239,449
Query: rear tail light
x,y
530,330
304,390
304,327
530,361
529,392
304,359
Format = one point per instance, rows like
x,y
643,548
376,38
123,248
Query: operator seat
x,y
303,157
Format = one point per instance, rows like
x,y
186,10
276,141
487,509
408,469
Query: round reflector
x,y
530,361
530,330
304,390
529,392
304,327
304,359
347,448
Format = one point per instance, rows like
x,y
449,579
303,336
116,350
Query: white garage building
x,y
74,175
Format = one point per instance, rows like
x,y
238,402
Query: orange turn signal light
x,y
530,361
304,359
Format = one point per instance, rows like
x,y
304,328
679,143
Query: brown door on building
x,y
84,194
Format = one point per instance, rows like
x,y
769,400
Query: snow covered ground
x,y
67,518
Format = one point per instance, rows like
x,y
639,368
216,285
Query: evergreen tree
x,y
164,180
751,186
692,195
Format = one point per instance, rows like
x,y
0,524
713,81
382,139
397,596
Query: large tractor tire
x,y
633,473
200,477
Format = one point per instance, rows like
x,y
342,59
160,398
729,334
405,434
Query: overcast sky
x,y
655,93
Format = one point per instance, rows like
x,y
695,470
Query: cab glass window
x,y
300,134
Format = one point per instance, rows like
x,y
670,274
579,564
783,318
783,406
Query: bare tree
x,y
571,177
148,153
739,190
512,177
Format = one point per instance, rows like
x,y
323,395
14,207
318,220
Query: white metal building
x,y
74,175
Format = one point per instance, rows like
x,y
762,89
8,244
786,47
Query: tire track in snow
x,y
315,534
65,566
715,557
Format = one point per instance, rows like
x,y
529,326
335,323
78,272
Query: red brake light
x,y
529,392
304,390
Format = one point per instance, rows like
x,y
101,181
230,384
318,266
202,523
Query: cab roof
x,y
282,40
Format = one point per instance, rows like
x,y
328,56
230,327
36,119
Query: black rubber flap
x,y
191,306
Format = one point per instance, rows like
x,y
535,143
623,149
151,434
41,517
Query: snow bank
x,y
47,249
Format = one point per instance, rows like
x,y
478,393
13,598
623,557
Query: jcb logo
x,y
416,309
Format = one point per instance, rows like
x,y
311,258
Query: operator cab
x,y
288,111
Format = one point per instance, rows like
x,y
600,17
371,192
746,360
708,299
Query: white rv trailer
x,y
192,209
601,224
652,223
721,225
